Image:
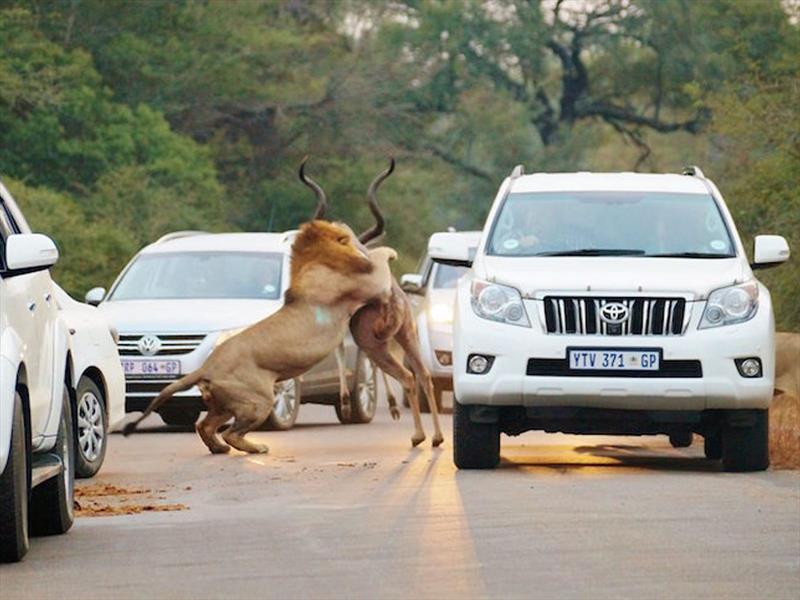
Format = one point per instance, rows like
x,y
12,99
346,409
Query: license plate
x,y
151,367
614,360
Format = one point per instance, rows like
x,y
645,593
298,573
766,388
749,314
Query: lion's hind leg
x,y
207,430
250,410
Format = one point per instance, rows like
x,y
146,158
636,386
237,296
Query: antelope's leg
x,y
390,397
344,392
407,337
393,367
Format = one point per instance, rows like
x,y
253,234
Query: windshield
x,y
446,276
610,224
184,275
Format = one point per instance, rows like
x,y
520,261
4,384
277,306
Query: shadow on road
x,y
612,456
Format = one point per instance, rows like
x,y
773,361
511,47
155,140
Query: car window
x,y
446,276
185,275
635,223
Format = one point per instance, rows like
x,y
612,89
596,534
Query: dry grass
x,y
104,500
784,432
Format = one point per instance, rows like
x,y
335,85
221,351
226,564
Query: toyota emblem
x,y
149,345
614,313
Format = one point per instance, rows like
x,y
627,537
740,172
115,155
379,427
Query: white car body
x,y
94,353
37,470
529,365
433,300
188,329
33,346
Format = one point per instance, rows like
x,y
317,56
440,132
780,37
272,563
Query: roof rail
x,y
694,171
517,171
175,235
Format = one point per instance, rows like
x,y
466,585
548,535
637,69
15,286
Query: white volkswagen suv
x,y
613,303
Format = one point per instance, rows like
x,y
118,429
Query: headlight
x,y
498,303
441,313
730,305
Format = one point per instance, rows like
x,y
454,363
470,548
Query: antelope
x,y
378,323
332,275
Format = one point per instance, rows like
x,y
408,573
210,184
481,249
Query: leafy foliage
x,y
123,120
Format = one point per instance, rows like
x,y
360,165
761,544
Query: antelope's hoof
x,y
437,440
260,449
346,412
221,449
395,413
417,439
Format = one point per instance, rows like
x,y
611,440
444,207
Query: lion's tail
x,y
184,383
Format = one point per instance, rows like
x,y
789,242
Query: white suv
x,y
613,303
178,296
36,443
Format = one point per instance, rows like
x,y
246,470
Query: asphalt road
x,y
352,512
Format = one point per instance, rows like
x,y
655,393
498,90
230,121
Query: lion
x,y
333,275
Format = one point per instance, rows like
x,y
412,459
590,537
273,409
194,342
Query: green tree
x,y
91,253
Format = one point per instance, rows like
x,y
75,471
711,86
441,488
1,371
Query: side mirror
x,y
411,283
769,251
449,248
95,296
28,253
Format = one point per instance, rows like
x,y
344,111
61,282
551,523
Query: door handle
x,y
47,297
32,306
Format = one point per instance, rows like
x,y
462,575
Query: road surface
x,y
352,512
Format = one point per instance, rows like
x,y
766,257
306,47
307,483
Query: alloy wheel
x,y
91,429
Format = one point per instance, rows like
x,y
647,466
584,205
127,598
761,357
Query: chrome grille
x,y
171,344
580,315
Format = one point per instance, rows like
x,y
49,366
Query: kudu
x,y
332,276
377,324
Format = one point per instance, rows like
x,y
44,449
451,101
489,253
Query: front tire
x,y
91,429
475,445
745,441
52,508
712,446
287,406
14,541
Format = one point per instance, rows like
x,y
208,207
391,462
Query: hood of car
x,y
691,277
185,316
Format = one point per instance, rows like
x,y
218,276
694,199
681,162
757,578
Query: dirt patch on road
x,y
784,432
105,500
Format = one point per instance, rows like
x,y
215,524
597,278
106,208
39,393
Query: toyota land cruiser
x,y
612,303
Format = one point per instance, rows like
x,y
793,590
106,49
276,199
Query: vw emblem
x,y
149,345
614,313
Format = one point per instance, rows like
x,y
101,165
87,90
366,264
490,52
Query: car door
x,y
28,300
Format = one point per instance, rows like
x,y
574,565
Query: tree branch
x,y
609,113
458,163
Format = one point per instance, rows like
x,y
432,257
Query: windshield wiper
x,y
691,255
595,252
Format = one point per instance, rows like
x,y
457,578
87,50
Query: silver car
x,y
177,296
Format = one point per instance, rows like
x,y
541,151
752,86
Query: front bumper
x,y
719,387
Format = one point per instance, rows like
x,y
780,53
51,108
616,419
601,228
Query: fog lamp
x,y
479,364
749,367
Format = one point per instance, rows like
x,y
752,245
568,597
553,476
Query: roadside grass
x,y
784,432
